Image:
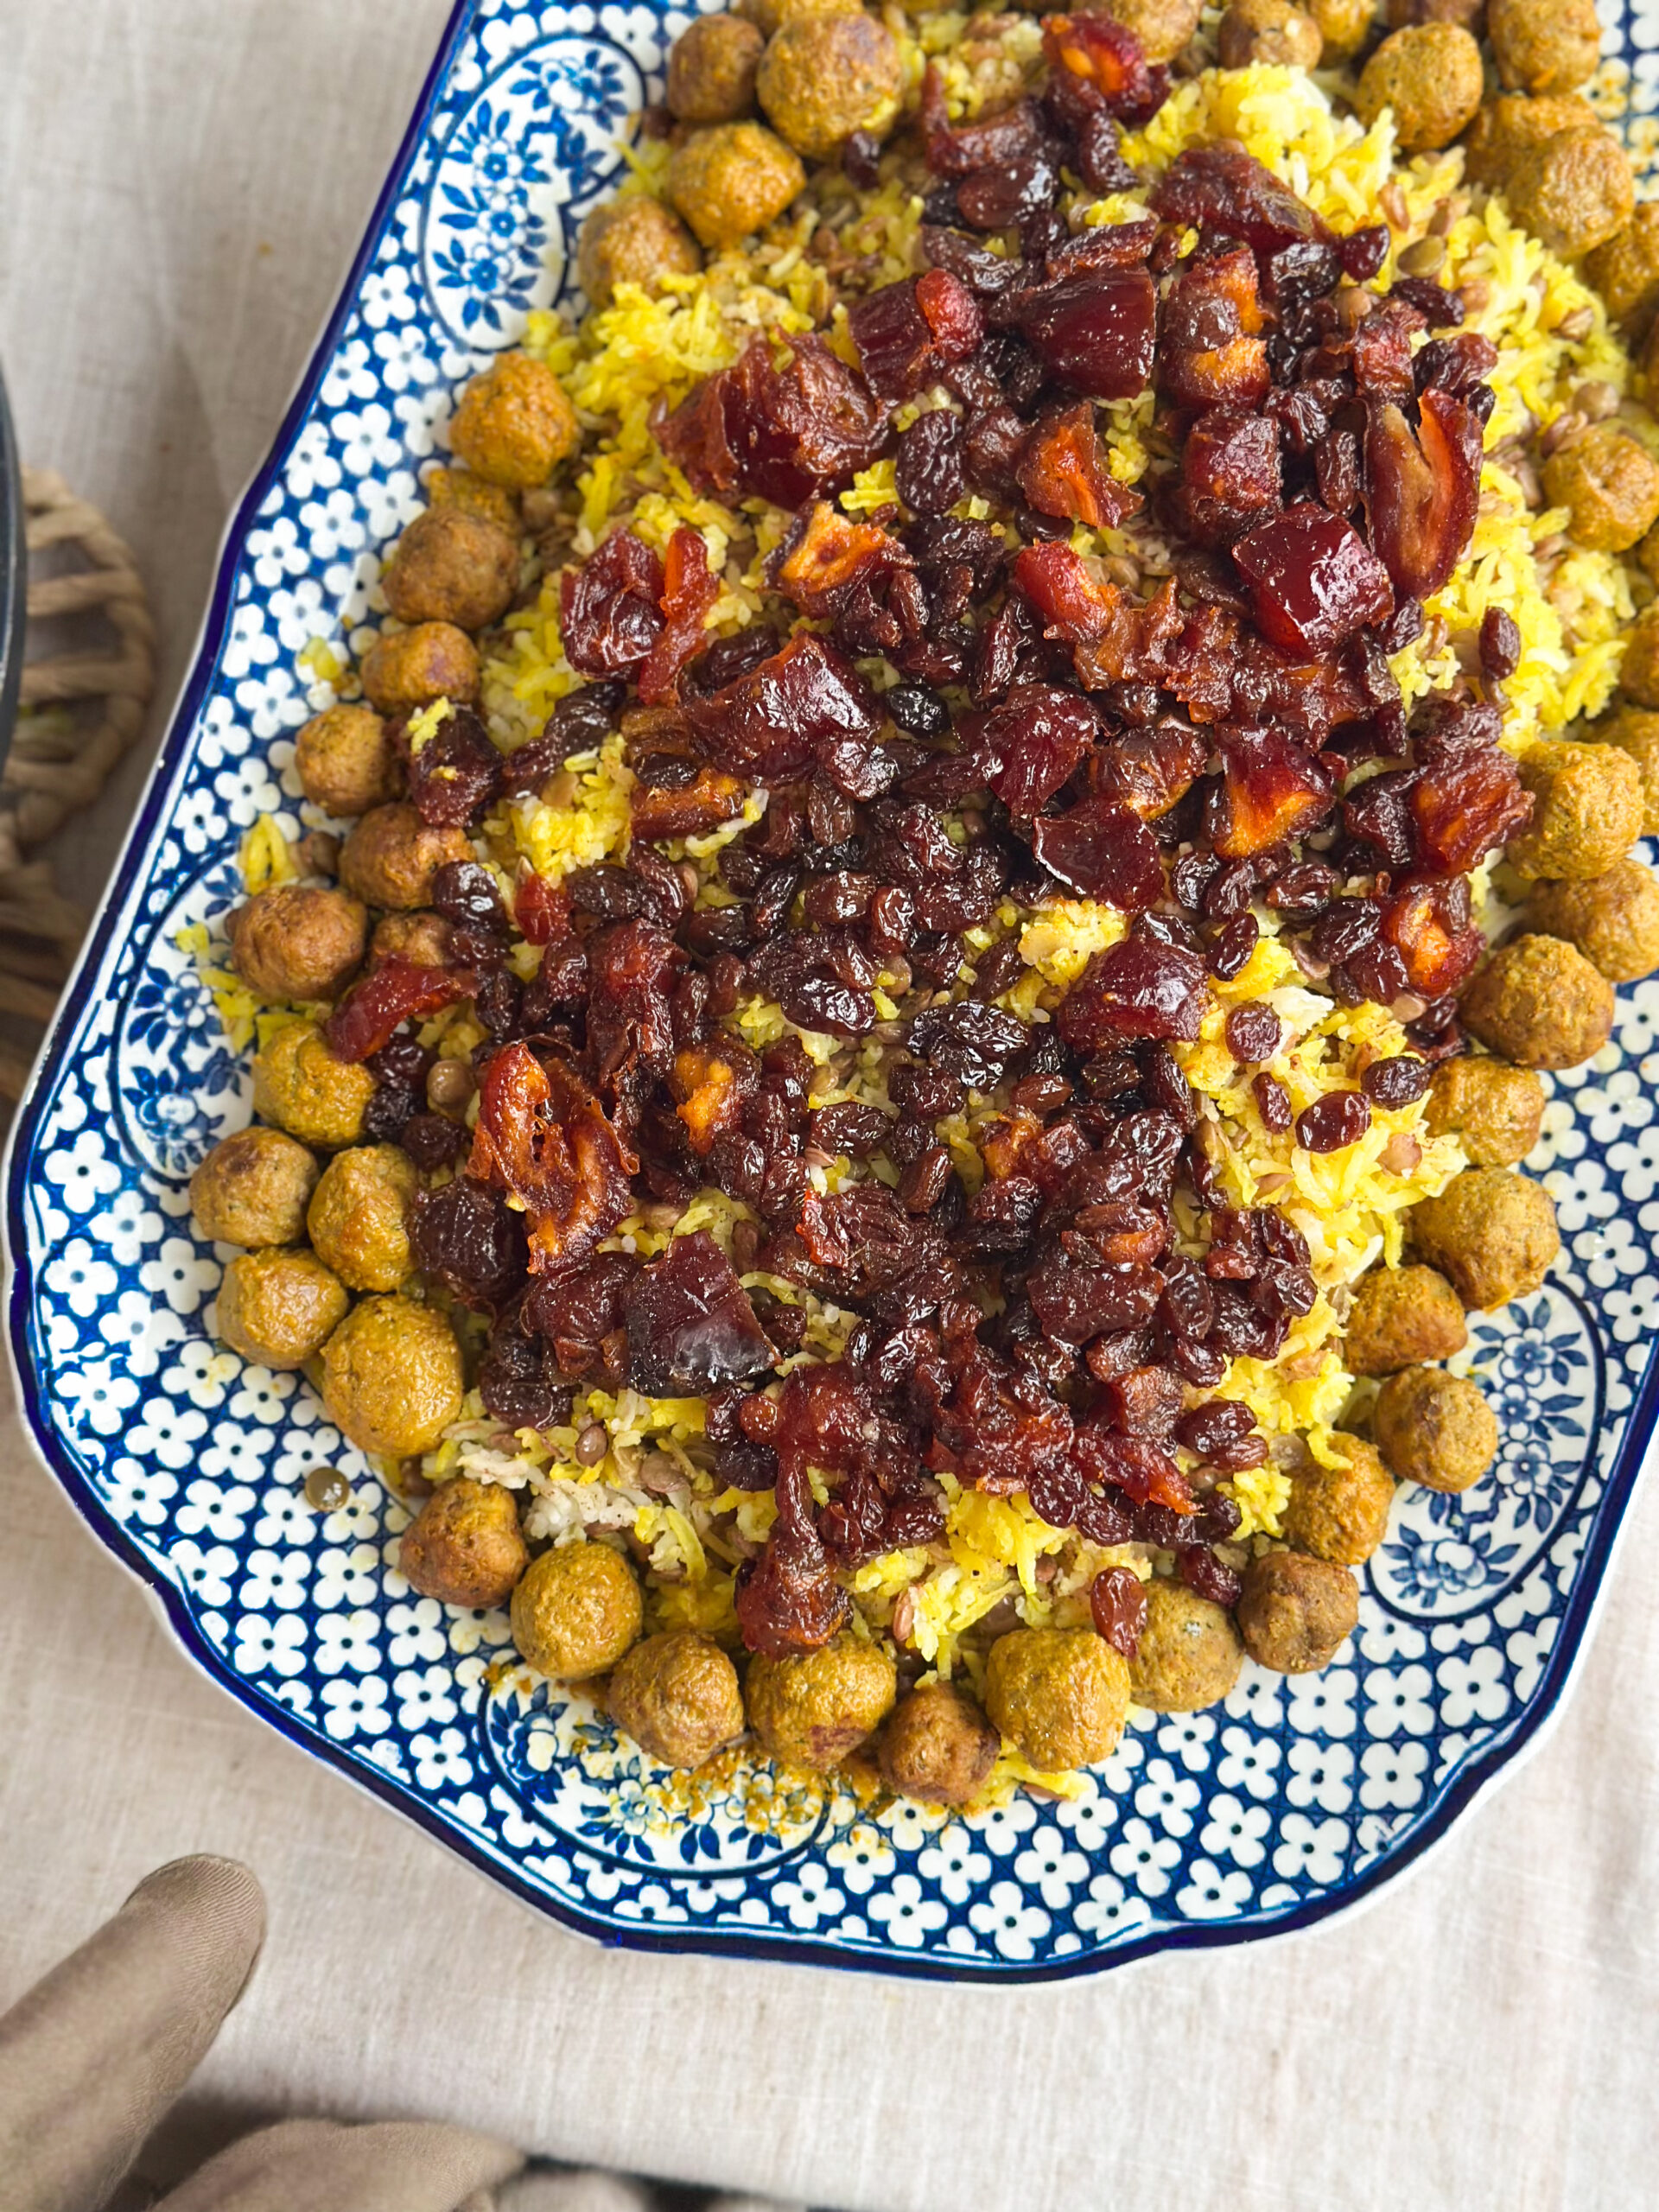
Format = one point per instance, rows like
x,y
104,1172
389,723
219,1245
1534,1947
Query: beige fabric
x,y
182,181
317,2165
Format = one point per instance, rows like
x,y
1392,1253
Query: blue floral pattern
x,y
1294,1796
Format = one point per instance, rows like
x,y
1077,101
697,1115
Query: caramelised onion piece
x,y
1314,581
1422,490
1104,849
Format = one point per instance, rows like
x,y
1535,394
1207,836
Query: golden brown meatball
x,y
359,1215
391,1376
1625,271
515,424
1608,484
575,1611
1587,809
1163,27
1295,1613
1060,1696
1430,75
1638,671
1544,45
1497,1111
1512,124
633,241
411,668
823,77
452,567
1469,14
1271,31
1344,25
346,761
464,1547
294,943
1435,1428
1401,1315
1492,1231
459,487
1637,732
252,1189
732,180
816,1707
711,69
1613,920
1539,1003
299,1084
1341,1514
1573,192
938,1747
1189,1654
391,856
676,1695
422,937
278,1309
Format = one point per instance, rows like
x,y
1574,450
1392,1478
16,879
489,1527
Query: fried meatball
x,y
424,938
575,1611
732,179
391,1376
1430,75
278,1309
676,1695
391,856
294,943
300,1085
1613,920
1435,1428
1492,1231
1513,124
635,241
252,1189
1268,32
359,1215
1341,1514
1544,45
1496,1109
1625,271
464,1546
938,1746
1638,671
1189,1654
1637,732
1608,484
452,567
1539,1003
514,424
1573,192
1295,1613
346,761
711,69
1060,1695
459,487
411,668
1468,14
1587,807
813,1707
1163,27
823,77
1401,1315
1344,25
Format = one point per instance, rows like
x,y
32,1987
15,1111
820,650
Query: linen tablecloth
x,y
181,185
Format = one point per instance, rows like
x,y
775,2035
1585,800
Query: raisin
x,y
1118,1605
1206,1576
1206,1429
468,1237
1397,1081
1338,1119
1272,1102
928,468
519,1384
1232,948
432,1141
1253,1032
1364,251
923,1180
1500,644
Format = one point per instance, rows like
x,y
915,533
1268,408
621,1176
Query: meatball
x,y
293,943
575,1611
464,1546
1341,1514
514,424
1608,484
1492,1231
1638,671
1268,31
346,761
1163,27
1574,192
299,1084
732,180
359,1215
1512,125
816,1707
1636,732
1539,1003
1625,271
1295,1613
278,1309
1189,1654
938,1746
391,856
635,241
1613,920
1588,805
676,1695
1468,14
1401,1315
823,77
424,938
459,487
252,1189
711,69
1344,25
452,567
411,668
1496,1109
1435,1428
391,1376
1544,45
1430,75
1060,1696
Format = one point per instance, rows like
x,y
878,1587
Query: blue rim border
x,y
1490,1766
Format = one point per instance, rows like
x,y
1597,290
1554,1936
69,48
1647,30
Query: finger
x,y
313,2165
92,2056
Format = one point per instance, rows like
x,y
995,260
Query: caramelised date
x,y
1094,333
1314,581
1422,489
1104,850
1134,990
691,1325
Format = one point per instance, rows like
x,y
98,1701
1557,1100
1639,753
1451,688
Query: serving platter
x,y
1296,1798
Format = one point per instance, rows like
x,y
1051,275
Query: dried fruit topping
x,y
1104,849
788,1600
688,810
805,706
1211,353
689,589
393,992
709,1081
1229,193
1106,56
1271,790
1063,472
466,1238
610,611
908,333
1314,581
1231,475
1330,1123
783,435
825,555
1134,990
454,770
1422,489
544,1136
690,1325
1094,332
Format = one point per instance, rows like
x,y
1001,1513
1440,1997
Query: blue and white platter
x,y
1296,1799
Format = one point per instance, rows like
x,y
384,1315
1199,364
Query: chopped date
x,y
1230,474
1106,57
1272,790
998,199
1314,581
466,1238
1428,926
1134,990
688,810
1464,805
1037,738
825,554
1422,489
788,1600
1094,333
783,435
544,1136
690,1325
1211,353
1227,193
609,611
1104,850
795,710
690,590
1063,472
906,333
395,992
